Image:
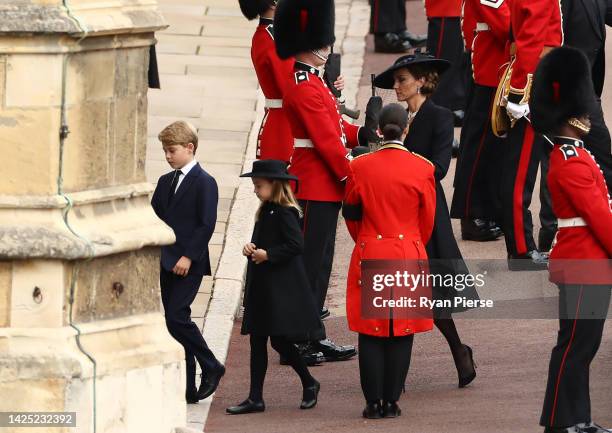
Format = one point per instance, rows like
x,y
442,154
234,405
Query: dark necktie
x,y
175,179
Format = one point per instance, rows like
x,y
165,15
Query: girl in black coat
x,y
278,302
430,134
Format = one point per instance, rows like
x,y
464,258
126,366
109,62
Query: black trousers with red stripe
x,y
477,180
522,154
387,16
582,312
444,41
319,227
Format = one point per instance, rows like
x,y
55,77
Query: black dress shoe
x,y
209,386
563,430
191,396
414,39
390,43
310,395
324,313
247,406
592,427
310,356
479,230
332,352
531,261
390,409
373,410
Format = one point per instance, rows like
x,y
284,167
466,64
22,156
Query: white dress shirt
x,y
183,173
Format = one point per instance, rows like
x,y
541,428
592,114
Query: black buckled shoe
x,y
247,406
332,352
210,384
373,410
531,261
310,396
591,427
390,409
414,39
479,230
390,43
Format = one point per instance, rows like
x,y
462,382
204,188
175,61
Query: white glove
x,y
516,111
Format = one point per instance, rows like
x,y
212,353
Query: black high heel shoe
x,y
310,396
469,378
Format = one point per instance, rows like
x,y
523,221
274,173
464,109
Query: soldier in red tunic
x,y
536,29
322,140
275,140
580,265
476,202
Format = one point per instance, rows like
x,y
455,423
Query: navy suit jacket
x,y
192,215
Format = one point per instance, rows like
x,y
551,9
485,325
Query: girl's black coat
x,y
431,136
278,300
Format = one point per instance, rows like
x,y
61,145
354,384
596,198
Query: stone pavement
x,y
512,357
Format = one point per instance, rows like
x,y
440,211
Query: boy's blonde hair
x,y
179,133
282,194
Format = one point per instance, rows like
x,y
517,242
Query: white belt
x,y
482,27
571,222
274,103
302,142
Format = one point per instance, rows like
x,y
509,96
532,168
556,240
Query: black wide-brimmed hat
x,y
385,80
303,25
251,9
562,89
270,169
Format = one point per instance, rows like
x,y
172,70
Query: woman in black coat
x,y
278,302
430,134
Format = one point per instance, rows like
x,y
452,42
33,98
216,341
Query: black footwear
x,y
373,410
455,148
531,261
479,230
191,396
332,352
414,39
324,313
458,116
591,427
310,356
465,380
390,409
208,386
563,430
247,406
310,395
390,43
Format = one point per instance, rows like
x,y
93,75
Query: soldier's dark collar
x,y
301,66
266,21
561,141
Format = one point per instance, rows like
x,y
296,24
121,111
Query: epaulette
x,y
301,76
422,157
270,30
568,151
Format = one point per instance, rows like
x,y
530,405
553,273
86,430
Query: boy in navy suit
x,y
186,199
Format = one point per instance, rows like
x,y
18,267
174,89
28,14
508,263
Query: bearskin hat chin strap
x,y
579,125
320,56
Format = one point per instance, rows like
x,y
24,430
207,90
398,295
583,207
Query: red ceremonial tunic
x,y
275,140
320,157
442,8
582,252
395,191
536,24
490,24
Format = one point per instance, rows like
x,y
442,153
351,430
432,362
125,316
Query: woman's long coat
x,y
278,300
431,135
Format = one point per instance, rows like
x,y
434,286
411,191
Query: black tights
x,y
463,361
259,362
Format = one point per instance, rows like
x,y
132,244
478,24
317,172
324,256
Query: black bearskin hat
x,y
562,88
251,9
303,25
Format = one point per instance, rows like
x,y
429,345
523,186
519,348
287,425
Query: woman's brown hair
x,y
282,194
432,78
